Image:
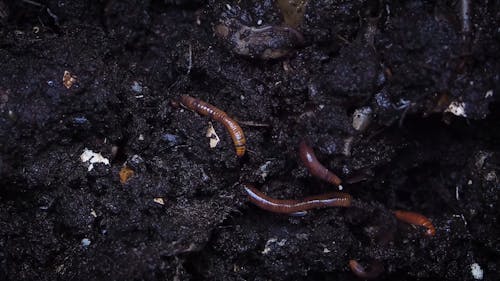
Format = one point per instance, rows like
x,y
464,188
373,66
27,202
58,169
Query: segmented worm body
x,y
314,166
333,199
268,42
218,115
375,269
416,219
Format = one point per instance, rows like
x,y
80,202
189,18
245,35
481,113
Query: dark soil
x,y
409,63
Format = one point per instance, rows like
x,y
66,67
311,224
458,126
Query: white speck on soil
x,y
264,169
93,158
159,200
214,138
361,118
457,108
488,94
85,242
136,87
476,271
269,245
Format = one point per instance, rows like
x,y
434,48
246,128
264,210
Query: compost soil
x,y
421,77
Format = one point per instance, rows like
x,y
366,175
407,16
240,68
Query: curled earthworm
x,y
267,42
416,219
315,167
296,207
218,115
375,269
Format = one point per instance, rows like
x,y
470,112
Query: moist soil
x,y
420,80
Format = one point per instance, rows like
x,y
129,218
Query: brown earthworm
x,y
309,159
416,219
332,199
218,115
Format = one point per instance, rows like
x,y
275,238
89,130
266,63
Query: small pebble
x,y
383,100
457,108
80,120
361,118
85,242
159,200
476,271
93,158
136,87
488,94
170,139
136,160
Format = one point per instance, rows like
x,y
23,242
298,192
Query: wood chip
x,y
68,79
214,138
125,174
159,200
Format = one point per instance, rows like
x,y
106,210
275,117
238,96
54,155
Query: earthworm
x,y
375,269
333,199
267,42
218,115
309,159
416,219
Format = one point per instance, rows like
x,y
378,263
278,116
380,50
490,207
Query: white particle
x,y
93,158
270,242
266,247
136,87
264,169
457,108
259,22
488,94
85,242
214,138
476,271
159,200
361,118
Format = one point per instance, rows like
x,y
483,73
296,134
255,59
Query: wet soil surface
x,y
420,80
